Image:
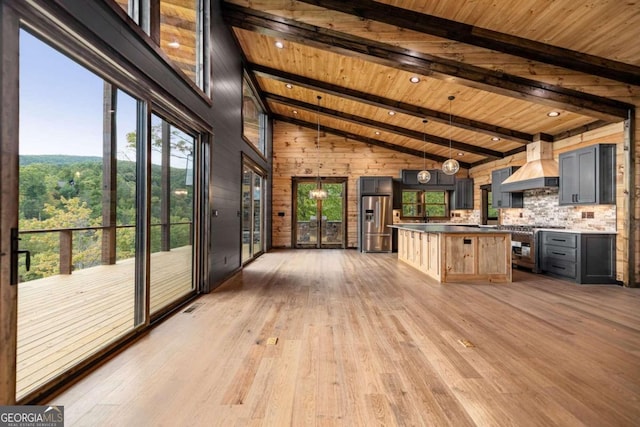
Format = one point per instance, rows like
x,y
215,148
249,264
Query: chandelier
x,y
318,193
450,166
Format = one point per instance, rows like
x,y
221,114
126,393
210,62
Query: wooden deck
x,y
365,340
65,318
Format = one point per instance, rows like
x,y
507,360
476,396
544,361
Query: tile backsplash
x,y
541,207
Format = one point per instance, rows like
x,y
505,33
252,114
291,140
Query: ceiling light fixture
x,y
173,44
415,79
424,175
318,193
279,45
495,138
392,113
289,86
377,132
553,113
450,166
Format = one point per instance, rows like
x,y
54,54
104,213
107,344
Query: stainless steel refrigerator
x,y
375,214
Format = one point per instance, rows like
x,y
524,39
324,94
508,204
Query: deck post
x,y
66,251
109,173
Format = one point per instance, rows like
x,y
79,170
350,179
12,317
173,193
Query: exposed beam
x,y
387,103
427,65
364,139
481,37
433,139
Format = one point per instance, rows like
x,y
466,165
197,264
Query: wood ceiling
x,y
507,63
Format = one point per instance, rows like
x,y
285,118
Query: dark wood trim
x,y
433,139
387,103
485,38
426,65
580,130
366,140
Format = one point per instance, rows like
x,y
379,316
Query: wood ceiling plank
x,y
388,103
508,85
501,42
433,139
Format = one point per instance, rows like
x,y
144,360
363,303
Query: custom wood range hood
x,y
540,170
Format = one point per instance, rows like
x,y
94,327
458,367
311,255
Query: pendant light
x,y
450,166
424,176
318,193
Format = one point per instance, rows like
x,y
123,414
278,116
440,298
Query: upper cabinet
x,y
438,179
504,199
462,197
376,185
587,175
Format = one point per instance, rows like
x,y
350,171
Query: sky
x,y
61,104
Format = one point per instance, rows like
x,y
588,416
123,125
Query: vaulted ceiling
x,y
508,64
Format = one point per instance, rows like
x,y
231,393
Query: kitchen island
x,y
454,253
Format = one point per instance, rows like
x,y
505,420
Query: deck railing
x,y
66,241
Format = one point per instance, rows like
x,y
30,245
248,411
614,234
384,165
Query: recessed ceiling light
x,y
495,138
553,113
173,44
414,79
377,132
295,111
279,45
289,86
460,154
392,113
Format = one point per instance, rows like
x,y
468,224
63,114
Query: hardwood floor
x,y
365,340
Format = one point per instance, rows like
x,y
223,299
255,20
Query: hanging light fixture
x,y
424,176
318,193
450,166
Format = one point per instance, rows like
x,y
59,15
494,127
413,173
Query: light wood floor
x,y
364,340
63,319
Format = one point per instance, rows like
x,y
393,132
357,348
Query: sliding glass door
x,y
253,185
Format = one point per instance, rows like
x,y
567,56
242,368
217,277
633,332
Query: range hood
x,y
540,171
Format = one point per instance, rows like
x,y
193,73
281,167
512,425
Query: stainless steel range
x,y
523,244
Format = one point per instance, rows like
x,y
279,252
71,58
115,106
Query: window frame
x,y
259,146
421,206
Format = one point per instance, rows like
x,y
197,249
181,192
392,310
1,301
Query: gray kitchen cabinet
x,y
587,175
503,199
376,185
582,257
438,178
462,196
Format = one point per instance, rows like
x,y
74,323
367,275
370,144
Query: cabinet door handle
x,y
559,253
557,266
559,240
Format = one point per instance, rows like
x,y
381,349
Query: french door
x,y
320,223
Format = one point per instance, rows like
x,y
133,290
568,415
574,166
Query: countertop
x,y
474,228
569,230
452,229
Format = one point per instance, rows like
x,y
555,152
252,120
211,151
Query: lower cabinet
x,y
586,258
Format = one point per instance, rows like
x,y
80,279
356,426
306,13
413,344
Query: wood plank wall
x,y
294,154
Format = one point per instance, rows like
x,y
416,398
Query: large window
x,y
418,204
253,118
178,27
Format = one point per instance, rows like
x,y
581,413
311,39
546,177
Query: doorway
x,y
319,223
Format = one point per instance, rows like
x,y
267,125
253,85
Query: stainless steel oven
x,y
523,244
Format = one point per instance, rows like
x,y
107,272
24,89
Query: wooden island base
x,y
456,253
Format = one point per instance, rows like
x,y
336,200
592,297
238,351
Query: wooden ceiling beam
x,y
433,139
365,140
399,107
488,39
428,65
